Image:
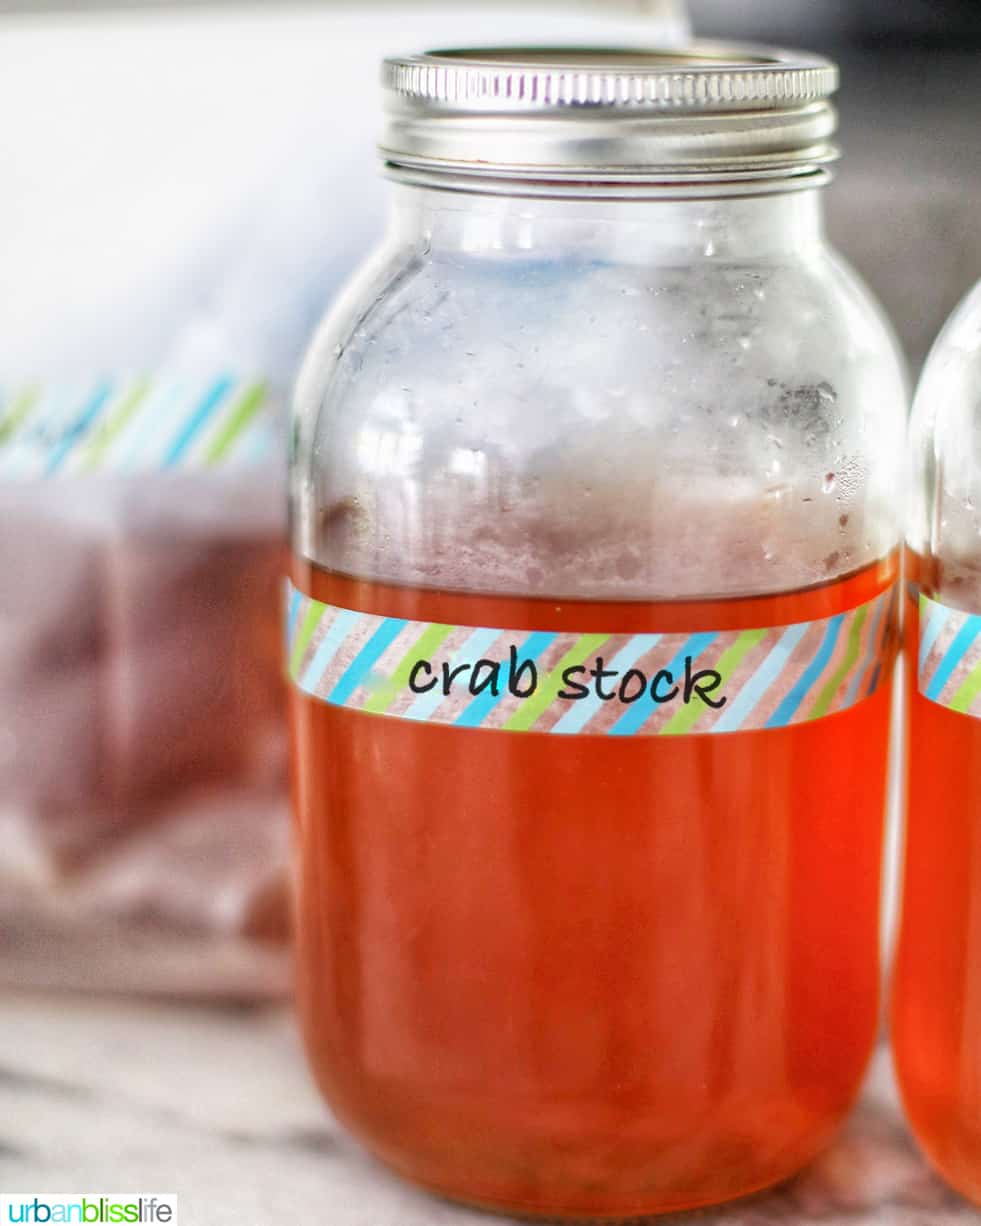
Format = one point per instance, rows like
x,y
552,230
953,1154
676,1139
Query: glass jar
x,y
937,992
594,528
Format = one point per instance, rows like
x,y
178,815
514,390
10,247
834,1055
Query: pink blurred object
x,y
143,829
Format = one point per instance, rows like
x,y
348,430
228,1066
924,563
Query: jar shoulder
x,y
944,514
427,324
589,428
948,395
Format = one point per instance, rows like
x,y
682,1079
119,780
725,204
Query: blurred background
x,y
213,162
183,188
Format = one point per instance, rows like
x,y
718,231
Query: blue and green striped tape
x,y
137,424
949,664
594,684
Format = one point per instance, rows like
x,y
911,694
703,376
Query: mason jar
x,y
937,993
591,615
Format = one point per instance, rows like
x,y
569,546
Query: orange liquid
x,y
936,1026
589,975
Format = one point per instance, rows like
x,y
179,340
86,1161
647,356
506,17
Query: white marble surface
x,y
216,1106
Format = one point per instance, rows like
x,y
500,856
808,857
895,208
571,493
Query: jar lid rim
x,y
566,111
702,76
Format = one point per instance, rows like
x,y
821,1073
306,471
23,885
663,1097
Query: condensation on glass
x,y
603,377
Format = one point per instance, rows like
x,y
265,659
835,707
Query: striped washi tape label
x,y
602,684
949,666
126,425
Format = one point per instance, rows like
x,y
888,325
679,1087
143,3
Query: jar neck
x,y
590,229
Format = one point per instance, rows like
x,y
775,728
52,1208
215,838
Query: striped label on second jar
x,y
949,662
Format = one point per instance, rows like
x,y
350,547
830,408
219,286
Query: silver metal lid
x,y
710,112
